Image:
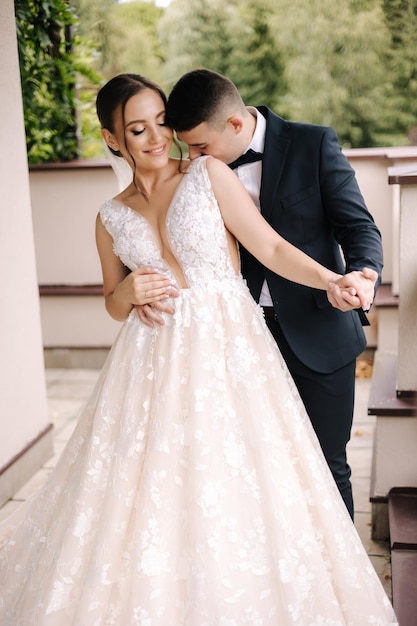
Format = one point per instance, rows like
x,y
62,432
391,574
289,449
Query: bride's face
x,y
143,134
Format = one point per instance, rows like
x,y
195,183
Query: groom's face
x,y
206,139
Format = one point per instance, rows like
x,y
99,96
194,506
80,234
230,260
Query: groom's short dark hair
x,y
201,96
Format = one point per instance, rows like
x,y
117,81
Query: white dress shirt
x,y
250,175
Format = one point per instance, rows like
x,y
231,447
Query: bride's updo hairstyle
x,y
114,96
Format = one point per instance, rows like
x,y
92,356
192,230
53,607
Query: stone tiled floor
x,y
69,388
360,459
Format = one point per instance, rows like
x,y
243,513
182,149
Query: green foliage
x,y
90,142
401,59
133,44
94,25
232,38
112,39
124,36
198,33
47,77
263,80
334,52
351,64
323,61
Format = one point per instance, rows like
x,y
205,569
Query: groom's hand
x,y
150,314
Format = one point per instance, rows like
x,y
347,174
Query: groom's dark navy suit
x,y
309,194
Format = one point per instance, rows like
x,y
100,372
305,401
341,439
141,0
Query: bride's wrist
x,y
333,279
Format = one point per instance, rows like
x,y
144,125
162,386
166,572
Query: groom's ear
x,y
109,139
236,123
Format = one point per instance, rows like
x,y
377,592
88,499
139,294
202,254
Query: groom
x,y
306,189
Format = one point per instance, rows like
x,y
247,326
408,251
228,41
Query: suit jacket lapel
x,y
277,142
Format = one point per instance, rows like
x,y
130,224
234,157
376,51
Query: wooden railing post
x,y
393,398
406,178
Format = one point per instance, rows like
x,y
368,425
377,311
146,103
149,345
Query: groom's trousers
x,y
329,401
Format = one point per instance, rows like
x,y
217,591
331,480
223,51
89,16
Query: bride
x,y
193,491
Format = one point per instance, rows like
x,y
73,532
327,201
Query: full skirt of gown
x,y
193,491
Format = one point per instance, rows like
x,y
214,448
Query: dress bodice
x,y
195,229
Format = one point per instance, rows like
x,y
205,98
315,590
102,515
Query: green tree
x,y
232,38
133,42
95,26
124,36
89,80
335,65
92,30
197,33
47,77
112,39
401,21
263,79
350,64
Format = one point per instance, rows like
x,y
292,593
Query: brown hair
x,y
202,96
114,95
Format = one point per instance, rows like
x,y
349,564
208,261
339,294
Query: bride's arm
x,y
123,290
244,221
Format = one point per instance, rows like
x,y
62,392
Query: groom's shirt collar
x,y
258,140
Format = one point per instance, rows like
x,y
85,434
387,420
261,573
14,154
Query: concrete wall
x,y
24,428
65,202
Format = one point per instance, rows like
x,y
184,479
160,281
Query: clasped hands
x,y
149,292
353,290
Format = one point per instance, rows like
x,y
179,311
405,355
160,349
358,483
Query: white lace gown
x,y
193,491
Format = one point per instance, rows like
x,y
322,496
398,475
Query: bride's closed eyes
x,y
137,132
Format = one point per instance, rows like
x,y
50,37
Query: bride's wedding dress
x,y
193,491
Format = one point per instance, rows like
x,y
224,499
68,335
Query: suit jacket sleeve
x,y
354,227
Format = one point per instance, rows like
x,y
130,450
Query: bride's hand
x,y
150,314
149,291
